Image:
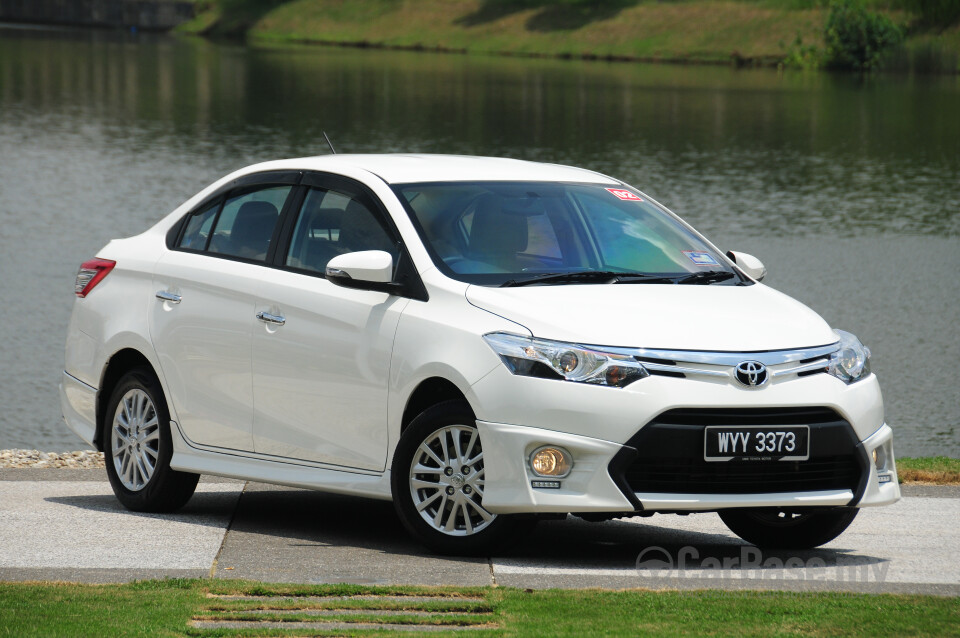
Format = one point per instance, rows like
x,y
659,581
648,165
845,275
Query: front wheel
x,y
438,478
783,529
138,447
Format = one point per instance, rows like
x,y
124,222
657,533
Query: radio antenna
x,y
332,150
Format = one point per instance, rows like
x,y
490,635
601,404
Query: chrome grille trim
x,y
766,357
819,364
723,364
672,368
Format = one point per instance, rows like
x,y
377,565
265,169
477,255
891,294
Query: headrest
x,y
326,218
254,224
496,231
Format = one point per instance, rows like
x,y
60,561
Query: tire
x,y
437,481
782,529
138,447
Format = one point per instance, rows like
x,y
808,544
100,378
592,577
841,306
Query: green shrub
x,y
856,38
932,57
801,56
935,13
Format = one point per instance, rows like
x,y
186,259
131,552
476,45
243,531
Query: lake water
x,y
847,188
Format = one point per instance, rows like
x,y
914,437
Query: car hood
x,y
667,316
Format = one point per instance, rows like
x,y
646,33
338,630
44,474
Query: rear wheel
x,y
788,529
138,447
438,479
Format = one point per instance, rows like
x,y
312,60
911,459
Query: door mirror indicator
x,y
364,270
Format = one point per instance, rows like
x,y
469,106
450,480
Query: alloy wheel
x,y
446,481
135,439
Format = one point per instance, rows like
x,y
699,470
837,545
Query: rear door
x,y
204,311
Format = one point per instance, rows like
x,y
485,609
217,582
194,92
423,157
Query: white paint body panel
x,y
878,493
615,414
203,344
709,318
78,404
319,401
320,380
588,487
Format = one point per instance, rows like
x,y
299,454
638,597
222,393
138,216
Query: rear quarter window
x,y
197,231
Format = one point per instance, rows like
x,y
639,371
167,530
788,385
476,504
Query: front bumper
x,y
596,485
517,415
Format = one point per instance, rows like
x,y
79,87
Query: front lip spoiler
x,y
657,502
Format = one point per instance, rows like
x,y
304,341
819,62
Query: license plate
x,y
756,443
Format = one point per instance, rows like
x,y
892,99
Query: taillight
x,y
90,274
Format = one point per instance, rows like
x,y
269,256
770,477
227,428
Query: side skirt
x,y
189,457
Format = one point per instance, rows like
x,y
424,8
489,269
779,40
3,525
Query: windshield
x,y
519,233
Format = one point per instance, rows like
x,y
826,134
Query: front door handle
x,y
266,317
168,296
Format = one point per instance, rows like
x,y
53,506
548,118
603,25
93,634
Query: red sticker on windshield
x,y
625,195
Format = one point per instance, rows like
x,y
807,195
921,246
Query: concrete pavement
x,y
66,525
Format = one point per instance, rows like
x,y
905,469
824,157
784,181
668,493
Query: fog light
x,y
880,458
551,461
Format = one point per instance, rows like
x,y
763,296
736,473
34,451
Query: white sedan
x,y
484,341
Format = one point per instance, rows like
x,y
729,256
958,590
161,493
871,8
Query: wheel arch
x,y
119,364
429,392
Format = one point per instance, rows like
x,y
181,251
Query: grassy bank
x,y
196,607
691,31
936,470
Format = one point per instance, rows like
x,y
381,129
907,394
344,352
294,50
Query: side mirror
x,y
749,264
365,270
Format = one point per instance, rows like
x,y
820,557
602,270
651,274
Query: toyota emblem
x,y
752,374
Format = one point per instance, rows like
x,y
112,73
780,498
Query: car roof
x,y
412,168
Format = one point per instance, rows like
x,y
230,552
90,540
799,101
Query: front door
x,y
321,353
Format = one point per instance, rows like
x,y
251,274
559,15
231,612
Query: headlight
x,y
852,361
558,360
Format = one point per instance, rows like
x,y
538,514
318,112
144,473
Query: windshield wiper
x,y
611,277
581,276
706,277
640,278
590,276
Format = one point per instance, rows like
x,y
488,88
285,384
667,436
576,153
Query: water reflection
x,y
102,134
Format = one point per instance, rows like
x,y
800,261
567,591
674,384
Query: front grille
x,y
659,369
669,455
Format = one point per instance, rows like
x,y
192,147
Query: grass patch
x,y
741,32
169,607
150,608
719,613
936,470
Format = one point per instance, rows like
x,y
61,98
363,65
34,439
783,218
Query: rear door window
x,y
246,224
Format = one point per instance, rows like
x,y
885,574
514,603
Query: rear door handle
x,y
266,317
168,296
